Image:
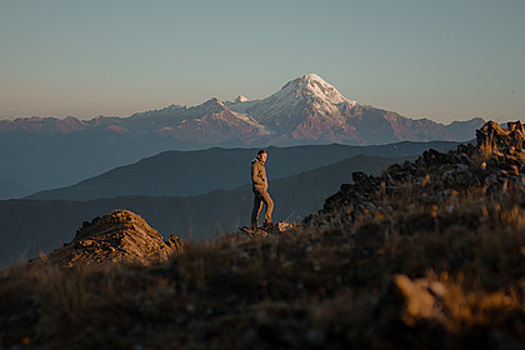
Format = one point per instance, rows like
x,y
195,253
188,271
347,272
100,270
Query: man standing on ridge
x,y
260,190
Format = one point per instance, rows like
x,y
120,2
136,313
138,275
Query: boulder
x,y
117,238
492,135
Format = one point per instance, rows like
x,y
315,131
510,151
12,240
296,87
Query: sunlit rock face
x,y
117,238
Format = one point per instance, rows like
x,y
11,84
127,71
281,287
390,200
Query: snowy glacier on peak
x,y
309,88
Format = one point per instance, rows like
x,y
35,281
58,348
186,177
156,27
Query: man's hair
x,y
261,152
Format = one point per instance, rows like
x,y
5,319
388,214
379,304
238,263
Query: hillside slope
x,y
428,254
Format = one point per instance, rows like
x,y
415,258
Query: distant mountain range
x,y
12,189
307,110
44,161
189,173
47,153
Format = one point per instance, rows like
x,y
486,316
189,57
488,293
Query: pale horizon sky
x,y
446,60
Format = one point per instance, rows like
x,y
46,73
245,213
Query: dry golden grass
x,y
329,286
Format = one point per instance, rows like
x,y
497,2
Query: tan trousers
x,y
261,196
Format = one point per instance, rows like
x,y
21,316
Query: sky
x,y
443,60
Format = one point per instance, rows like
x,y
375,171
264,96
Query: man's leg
x,y
269,207
257,206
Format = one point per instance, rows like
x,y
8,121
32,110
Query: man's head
x,y
262,155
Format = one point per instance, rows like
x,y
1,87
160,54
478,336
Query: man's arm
x,y
254,173
256,178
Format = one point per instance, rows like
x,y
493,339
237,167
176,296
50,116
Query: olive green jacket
x,y
259,180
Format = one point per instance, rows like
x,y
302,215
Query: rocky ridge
x,y
495,163
118,238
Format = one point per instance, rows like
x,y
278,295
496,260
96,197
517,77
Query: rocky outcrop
x,y
495,163
117,238
500,140
411,301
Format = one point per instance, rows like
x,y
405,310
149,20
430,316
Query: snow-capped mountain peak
x,y
214,101
240,99
312,85
310,89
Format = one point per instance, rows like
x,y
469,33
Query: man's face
x,y
263,156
